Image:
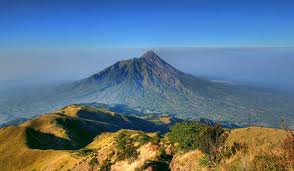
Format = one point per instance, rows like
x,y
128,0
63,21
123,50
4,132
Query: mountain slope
x,y
49,140
103,151
150,85
74,126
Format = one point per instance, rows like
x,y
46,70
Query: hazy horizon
x,y
70,40
269,67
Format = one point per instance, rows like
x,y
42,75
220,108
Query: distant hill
x,y
150,85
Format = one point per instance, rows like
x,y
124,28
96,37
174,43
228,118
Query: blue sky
x,y
58,39
59,24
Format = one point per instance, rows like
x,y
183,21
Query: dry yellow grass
x,y
187,161
148,152
15,155
261,142
258,138
46,124
71,110
165,119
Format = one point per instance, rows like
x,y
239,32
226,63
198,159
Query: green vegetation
x,y
126,148
106,165
204,161
84,152
142,138
127,143
187,136
93,162
53,141
209,139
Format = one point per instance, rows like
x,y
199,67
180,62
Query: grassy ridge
x,y
85,138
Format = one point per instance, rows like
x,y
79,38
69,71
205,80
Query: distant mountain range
x,y
150,85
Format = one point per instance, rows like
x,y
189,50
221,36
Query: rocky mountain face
x,y
145,83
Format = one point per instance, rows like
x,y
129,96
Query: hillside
x,y
79,137
258,149
75,126
46,139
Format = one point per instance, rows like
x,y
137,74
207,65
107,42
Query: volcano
x,y
150,85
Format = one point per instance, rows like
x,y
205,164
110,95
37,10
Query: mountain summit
x,y
138,74
152,58
150,55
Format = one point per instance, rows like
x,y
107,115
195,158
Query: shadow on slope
x,y
43,141
119,108
75,126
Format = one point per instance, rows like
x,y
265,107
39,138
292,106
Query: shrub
x,y
84,152
126,149
155,139
143,139
288,149
213,143
187,136
93,162
105,165
209,139
128,143
204,161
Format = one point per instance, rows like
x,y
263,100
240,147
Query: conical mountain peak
x,y
150,55
152,58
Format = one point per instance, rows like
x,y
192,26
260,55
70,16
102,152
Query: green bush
x,y
155,139
127,144
105,165
213,143
93,162
187,136
84,152
204,161
126,149
208,139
